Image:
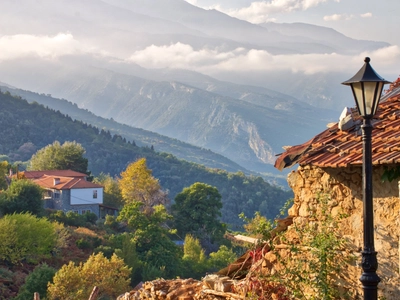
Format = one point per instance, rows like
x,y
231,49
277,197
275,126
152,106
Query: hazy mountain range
x,y
179,70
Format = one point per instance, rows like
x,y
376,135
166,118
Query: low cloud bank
x,y
210,60
206,60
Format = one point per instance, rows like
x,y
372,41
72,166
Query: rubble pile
x,y
212,287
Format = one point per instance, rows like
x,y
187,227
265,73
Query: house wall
x,y
85,196
59,202
80,202
344,188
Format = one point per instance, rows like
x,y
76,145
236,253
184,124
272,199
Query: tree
x,y
4,169
22,196
194,258
111,193
36,282
68,156
220,259
128,253
111,276
152,238
196,211
26,237
138,185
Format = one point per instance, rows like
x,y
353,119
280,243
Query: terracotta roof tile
x,y
64,183
62,173
336,148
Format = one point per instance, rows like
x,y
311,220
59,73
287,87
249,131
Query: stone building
x,y
331,164
68,190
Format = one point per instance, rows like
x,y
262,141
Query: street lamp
x,y
367,88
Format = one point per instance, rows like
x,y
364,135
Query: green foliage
x,y
220,259
197,210
258,227
138,185
194,258
111,192
36,282
6,278
151,272
23,123
4,169
90,217
128,253
152,238
111,276
316,262
83,243
22,196
124,247
111,223
68,156
71,218
390,173
26,237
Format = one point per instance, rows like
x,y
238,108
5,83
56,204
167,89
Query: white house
x,y
68,190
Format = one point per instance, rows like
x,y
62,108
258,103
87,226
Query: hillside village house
x,y
68,190
331,164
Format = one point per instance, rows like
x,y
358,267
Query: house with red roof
x,y
330,165
68,190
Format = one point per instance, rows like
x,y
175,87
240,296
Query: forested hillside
x,y
28,127
141,137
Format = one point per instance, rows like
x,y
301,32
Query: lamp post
x,y
367,88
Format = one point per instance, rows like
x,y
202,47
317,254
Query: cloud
x,y
337,17
345,17
211,61
260,11
180,56
366,15
44,46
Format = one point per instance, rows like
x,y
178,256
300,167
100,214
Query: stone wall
x,y
344,188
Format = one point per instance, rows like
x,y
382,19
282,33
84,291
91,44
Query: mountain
x,y
142,138
28,127
249,127
195,75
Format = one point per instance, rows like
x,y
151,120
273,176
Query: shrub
x,y
23,236
22,196
220,259
111,276
36,282
82,244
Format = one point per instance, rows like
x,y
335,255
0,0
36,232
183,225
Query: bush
x,y
75,219
106,250
71,218
90,217
83,244
111,276
23,236
22,196
221,259
36,282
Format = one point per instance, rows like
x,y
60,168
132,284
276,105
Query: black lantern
x,y
367,88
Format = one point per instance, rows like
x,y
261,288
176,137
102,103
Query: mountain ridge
x,y
140,136
152,64
27,128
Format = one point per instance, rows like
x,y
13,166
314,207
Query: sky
x,y
373,20
359,19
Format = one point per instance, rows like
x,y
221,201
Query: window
x,y
84,211
56,195
94,194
